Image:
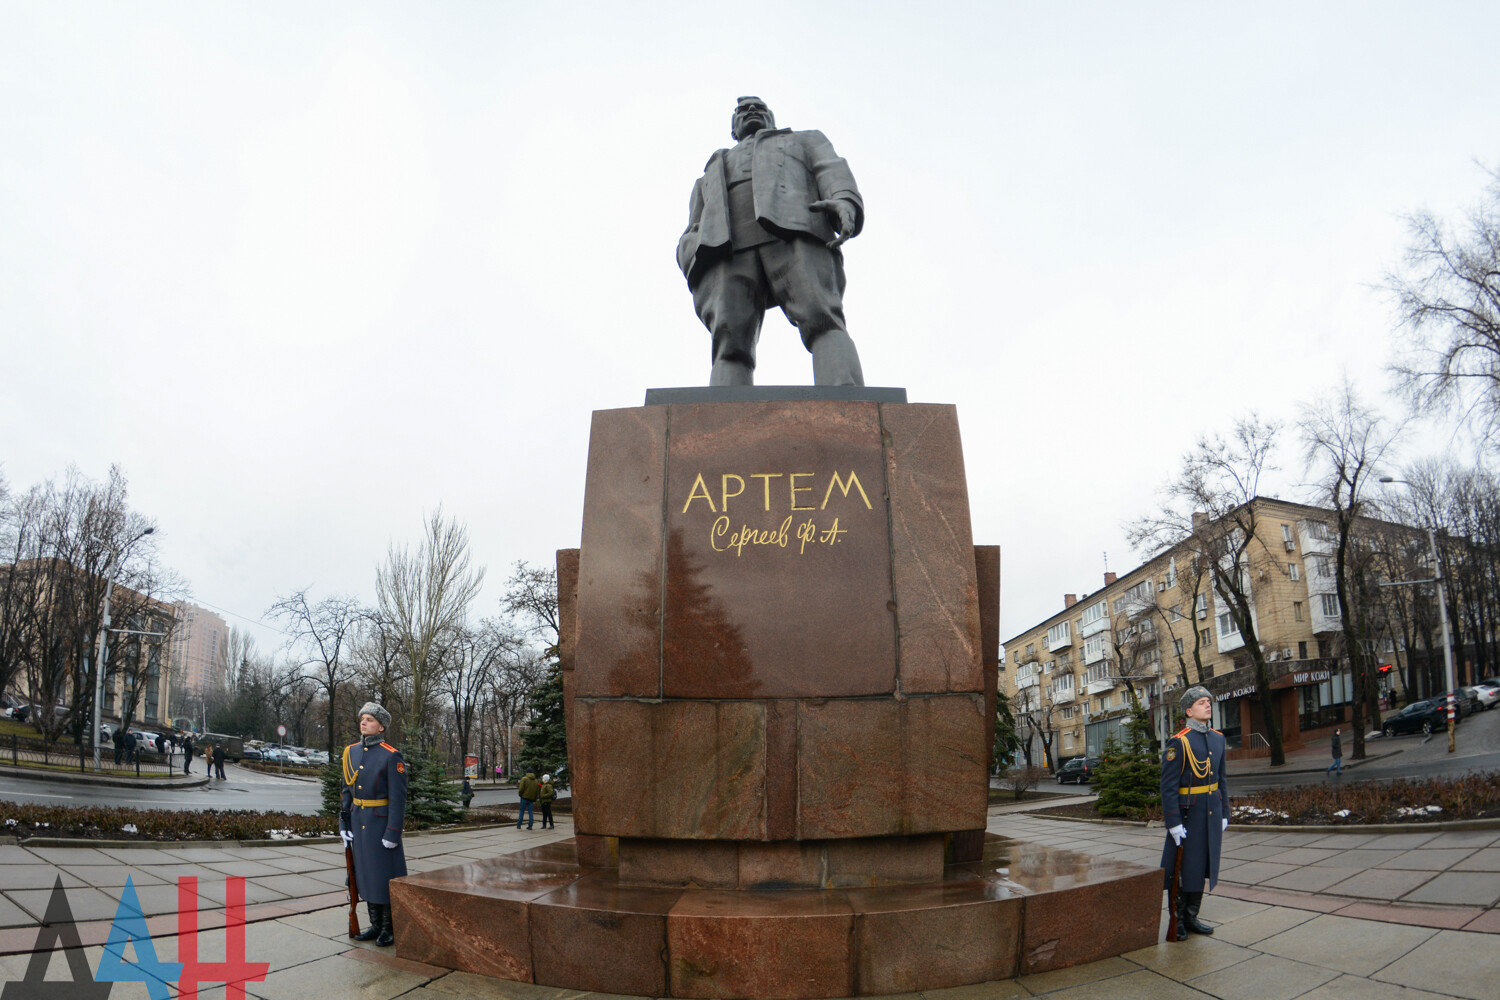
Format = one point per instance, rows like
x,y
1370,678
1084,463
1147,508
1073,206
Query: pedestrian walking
x,y
219,756
468,792
131,742
1195,808
372,817
1338,755
187,754
545,794
119,742
528,790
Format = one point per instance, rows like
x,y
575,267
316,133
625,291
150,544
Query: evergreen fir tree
x,y
332,777
1006,740
430,797
546,748
1129,775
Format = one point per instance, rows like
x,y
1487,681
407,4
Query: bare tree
x,y
425,595
479,654
1209,513
531,597
323,630
1448,294
1343,445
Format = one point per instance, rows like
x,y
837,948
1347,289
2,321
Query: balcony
x,y
1063,697
1027,681
1054,643
1099,686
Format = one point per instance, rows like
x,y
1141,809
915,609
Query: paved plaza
x,y
1315,915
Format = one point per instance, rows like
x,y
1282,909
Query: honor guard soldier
x,y
1195,807
371,817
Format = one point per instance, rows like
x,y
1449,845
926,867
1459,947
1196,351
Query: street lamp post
x,y
1437,578
99,661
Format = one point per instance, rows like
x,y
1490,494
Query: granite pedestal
x,y
778,643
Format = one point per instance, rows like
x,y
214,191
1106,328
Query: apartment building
x,y
1148,631
200,648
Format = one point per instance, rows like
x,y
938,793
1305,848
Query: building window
x,y
1301,650
1330,605
1177,646
1297,610
1323,566
1094,612
1171,573
1031,649
1286,532
1226,625
1205,636
1294,571
1319,530
1201,606
1059,635
1175,614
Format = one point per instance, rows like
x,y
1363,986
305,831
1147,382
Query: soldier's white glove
x,y
1225,826
1178,833
389,845
348,837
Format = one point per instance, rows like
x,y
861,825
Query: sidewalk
x,y
1320,916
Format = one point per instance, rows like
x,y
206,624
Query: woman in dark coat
x,y
372,816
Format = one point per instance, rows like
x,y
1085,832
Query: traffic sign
x,y
281,730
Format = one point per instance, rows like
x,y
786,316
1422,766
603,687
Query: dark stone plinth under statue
x,y
779,652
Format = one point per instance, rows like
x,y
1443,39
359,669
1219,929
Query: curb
x,y
1322,770
227,844
71,778
1486,823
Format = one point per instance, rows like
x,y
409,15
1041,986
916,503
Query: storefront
x,y
1308,697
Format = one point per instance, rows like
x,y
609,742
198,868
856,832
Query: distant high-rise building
x,y
200,648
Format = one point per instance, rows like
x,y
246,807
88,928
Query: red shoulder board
x,y
1215,730
1181,732
352,745
389,747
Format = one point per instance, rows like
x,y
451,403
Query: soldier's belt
x,y
1184,790
372,803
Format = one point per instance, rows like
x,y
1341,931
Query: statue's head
x,y
750,116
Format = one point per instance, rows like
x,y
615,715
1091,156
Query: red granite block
x,y
619,567
946,784
803,609
963,846
567,607
771,945
598,935
704,864
873,861
850,769
933,937
987,569
1091,921
672,769
932,550
473,916
597,852
781,864
781,769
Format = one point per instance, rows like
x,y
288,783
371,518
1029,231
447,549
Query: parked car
x,y
1488,694
1418,717
1078,770
252,753
1462,706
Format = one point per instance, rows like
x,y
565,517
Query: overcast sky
x,y
308,270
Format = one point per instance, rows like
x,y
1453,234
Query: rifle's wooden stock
x,y
1176,891
354,888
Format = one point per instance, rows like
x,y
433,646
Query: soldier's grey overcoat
x,y
374,809
1201,812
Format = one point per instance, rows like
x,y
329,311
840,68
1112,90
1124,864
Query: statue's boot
x,y
371,932
835,360
1191,902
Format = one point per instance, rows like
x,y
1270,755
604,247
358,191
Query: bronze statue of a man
x,y
764,226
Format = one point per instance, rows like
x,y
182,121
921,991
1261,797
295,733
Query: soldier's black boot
x,y
387,930
371,932
1182,930
1190,903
